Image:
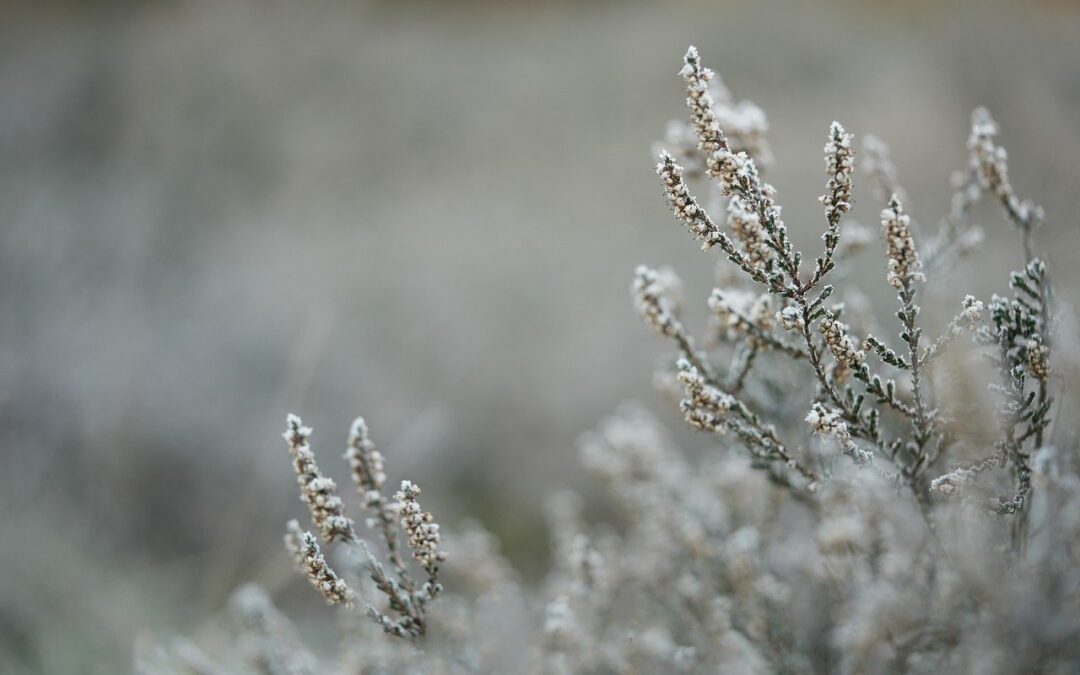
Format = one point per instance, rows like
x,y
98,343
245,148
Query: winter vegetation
x,y
885,493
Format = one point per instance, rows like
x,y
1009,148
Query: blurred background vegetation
x,y
212,213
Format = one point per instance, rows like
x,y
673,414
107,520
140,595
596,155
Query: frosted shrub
x,y
407,599
847,521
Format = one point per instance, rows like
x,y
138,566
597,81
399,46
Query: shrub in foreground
x,y
866,508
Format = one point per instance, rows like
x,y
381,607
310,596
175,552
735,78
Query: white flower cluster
x,y
366,463
737,176
790,318
840,344
904,265
970,318
311,561
700,101
317,491
715,118
421,528
704,406
732,169
839,167
1038,358
737,311
657,295
825,422
684,205
972,314
746,226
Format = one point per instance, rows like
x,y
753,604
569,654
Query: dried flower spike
x,y
746,226
423,533
839,167
366,463
830,423
319,573
904,265
316,490
700,102
843,349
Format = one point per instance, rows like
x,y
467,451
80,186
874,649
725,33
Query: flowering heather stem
x,y
317,491
407,599
367,469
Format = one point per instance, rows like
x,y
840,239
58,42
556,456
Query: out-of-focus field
x,y
212,213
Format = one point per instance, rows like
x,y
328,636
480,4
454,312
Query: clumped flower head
x,y
684,205
714,115
704,405
316,490
366,463
1038,360
421,529
700,102
790,318
972,314
903,257
746,226
840,168
840,344
322,577
830,423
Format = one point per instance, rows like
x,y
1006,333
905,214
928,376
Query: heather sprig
x,y
1018,334
759,247
407,599
323,577
424,538
316,490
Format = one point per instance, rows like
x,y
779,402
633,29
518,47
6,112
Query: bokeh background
x,y
212,213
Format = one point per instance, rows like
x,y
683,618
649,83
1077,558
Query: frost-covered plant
x,y
850,520
408,599
911,445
